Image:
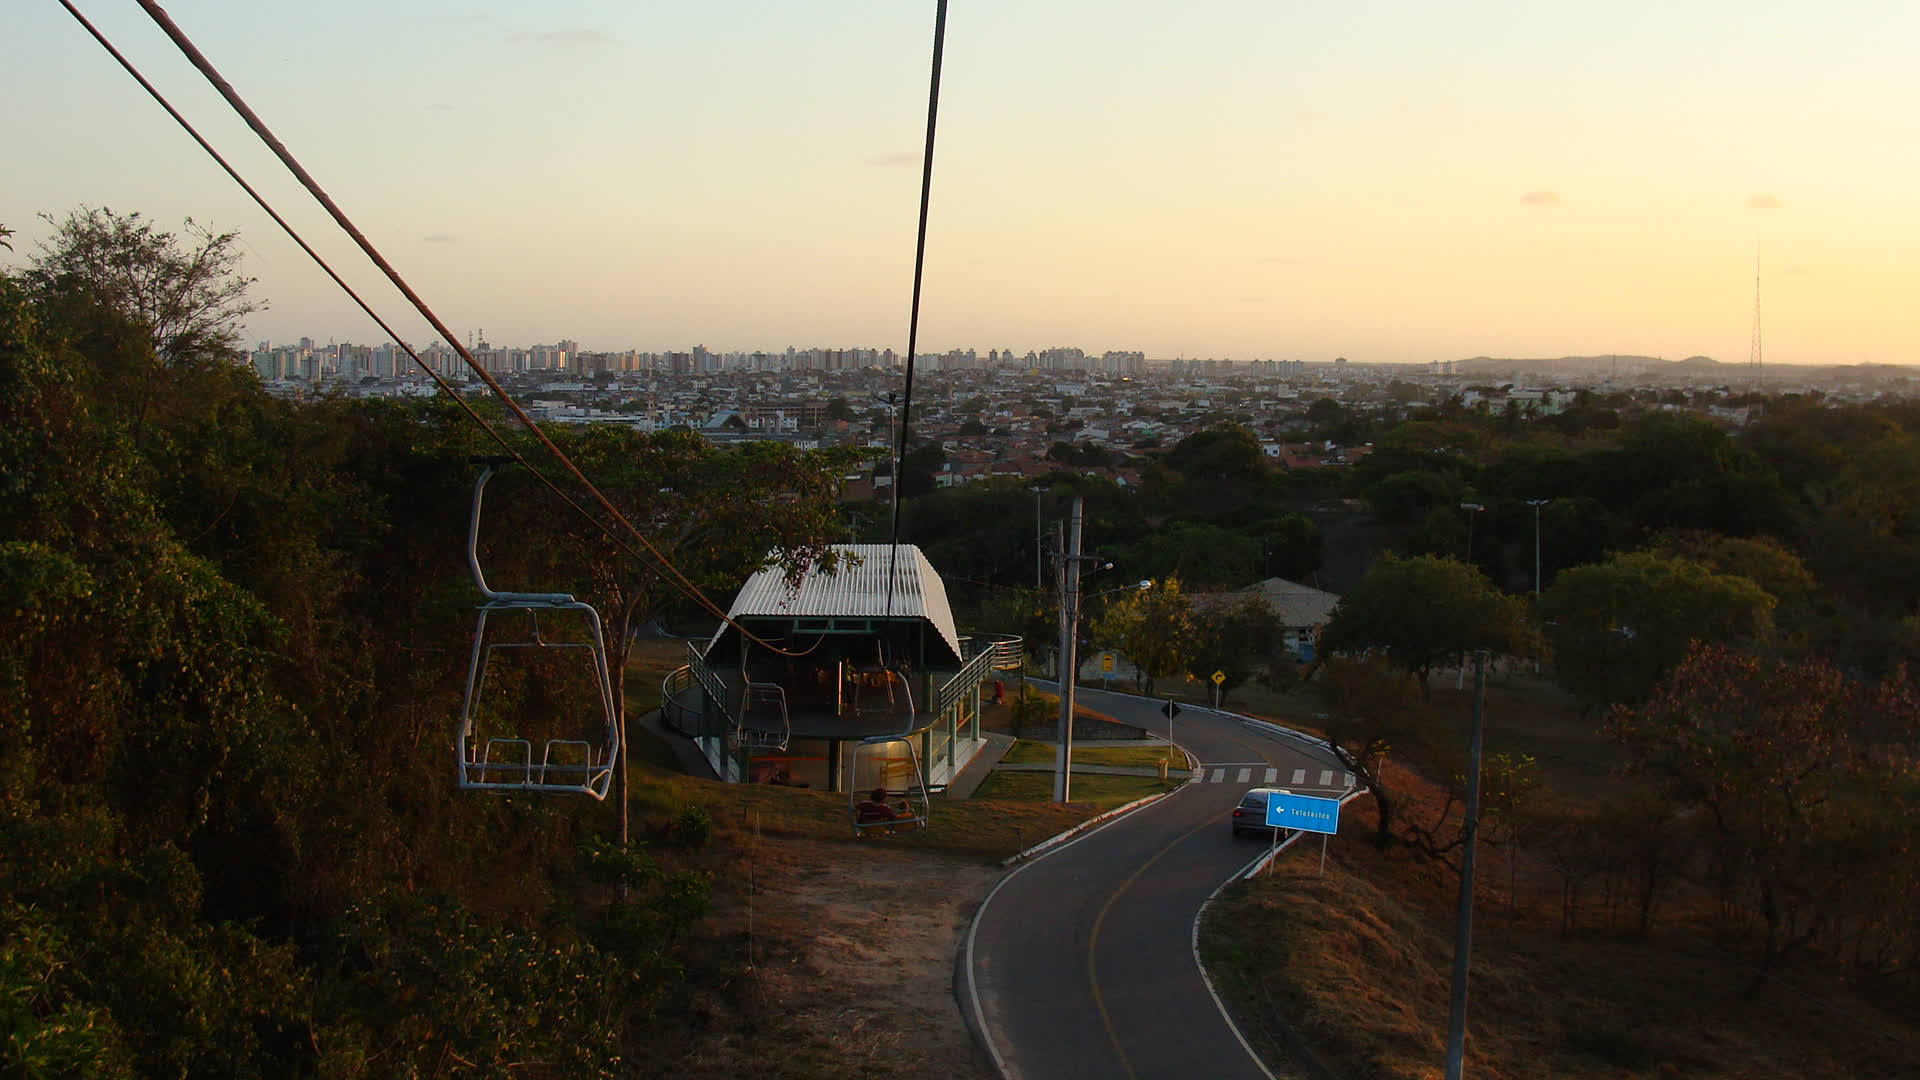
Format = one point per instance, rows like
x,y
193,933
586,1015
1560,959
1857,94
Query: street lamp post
x,y
1536,504
1471,508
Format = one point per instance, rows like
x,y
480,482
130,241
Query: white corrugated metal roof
x,y
858,589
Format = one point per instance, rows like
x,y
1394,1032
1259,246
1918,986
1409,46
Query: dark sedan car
x,y
1251,815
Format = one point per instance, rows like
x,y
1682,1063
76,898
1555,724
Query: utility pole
x,y
1536,504
1463,916
1038,585
1069,575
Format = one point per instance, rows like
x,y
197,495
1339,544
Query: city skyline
x,y
1389,183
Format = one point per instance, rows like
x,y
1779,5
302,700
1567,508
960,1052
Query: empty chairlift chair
x,y
511,762
882,694
762,722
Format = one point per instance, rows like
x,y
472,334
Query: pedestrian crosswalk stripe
x,y
1246,774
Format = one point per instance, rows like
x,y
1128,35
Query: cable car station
x,y
846,681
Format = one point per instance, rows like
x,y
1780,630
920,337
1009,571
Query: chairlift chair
x,y
762,722
512,763
890,764
881,691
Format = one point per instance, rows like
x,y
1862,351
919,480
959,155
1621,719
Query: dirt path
x,y
865,957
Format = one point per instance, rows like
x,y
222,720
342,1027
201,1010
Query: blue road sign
x,y
1303,813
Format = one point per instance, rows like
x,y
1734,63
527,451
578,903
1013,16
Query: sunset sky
x,y
1387,181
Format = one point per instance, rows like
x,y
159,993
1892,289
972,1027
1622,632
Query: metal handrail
x,y
704,675
971,675
672,713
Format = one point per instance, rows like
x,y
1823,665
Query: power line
x,y
919,268
657,560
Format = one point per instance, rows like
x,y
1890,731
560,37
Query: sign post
x,y
1219,677
1170,710
1106,670
1303,813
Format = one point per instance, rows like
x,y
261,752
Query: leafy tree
x,y
1225,453
919,468
839,409
1369,702
1197,553
1425,612
1761,748
185,291
714,513
1154,627
1292,547
1240,637
1617,628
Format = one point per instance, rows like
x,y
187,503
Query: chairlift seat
x,y
505,763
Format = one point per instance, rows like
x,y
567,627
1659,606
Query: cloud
x,y
1541,198
576,35
1763,202
895,160
438,238
440,106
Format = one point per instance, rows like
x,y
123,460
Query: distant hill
x,y
1582,365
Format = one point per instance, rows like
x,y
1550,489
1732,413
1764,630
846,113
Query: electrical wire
x,y
325,267
654,558
919,268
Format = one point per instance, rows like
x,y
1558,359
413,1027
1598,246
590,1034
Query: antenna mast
x,y
1753,353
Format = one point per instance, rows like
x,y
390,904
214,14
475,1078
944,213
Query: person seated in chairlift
x,y
876,808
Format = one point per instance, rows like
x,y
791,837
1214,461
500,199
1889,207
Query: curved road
x,y
1081,963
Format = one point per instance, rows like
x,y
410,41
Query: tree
x,y
919,468
1761,748
1154,627
1366,707
1617,628
715,513
1196,553
1425,612
1240,637
185,291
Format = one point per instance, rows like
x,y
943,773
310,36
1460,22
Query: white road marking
x,y
1272,774
1219,775
1299,777
1326,777
1245,775
1199,776
1349,781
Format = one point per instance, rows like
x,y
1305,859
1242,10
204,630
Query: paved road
x,y
1081,963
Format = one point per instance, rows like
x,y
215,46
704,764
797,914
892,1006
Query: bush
x,y
691,828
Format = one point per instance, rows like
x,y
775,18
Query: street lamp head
x,y
1145,584
1471,506
1538,503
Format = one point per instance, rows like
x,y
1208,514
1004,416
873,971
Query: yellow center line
x,y
1093,942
